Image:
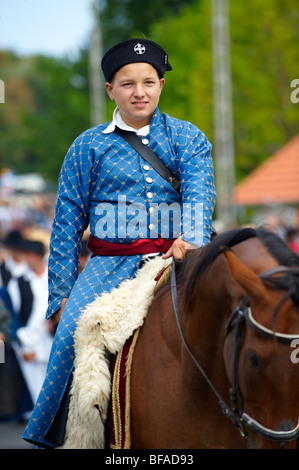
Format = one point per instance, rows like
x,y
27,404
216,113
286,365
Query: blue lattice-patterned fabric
x,y
105,184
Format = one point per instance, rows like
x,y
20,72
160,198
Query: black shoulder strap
x,y
149,155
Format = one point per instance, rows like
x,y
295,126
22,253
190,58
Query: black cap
x,y
34,246
14,240
135,50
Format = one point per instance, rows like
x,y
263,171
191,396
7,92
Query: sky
x,y
51,27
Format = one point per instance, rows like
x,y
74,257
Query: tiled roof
x,y
275,180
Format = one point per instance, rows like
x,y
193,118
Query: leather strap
x,y
150,156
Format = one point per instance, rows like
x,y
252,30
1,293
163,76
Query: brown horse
x,y
221,374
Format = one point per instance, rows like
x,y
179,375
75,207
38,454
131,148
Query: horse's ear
x,y
250,282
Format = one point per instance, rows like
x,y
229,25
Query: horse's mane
x,y
228,239
278,248
286,257
196,264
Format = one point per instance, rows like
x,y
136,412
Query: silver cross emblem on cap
x,y
139,48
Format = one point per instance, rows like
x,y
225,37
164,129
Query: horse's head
x,y
259,345
244,287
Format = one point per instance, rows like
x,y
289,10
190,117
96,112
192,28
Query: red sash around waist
x,y
143,246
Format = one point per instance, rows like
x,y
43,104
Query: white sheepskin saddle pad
x,y
105,324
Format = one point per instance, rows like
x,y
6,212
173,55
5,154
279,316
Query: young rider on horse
x,y
131,210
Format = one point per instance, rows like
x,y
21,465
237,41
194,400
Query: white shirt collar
x,y
119,122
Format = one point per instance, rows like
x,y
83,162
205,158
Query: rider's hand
x,y
178,249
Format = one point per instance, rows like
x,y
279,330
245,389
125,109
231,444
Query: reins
x,y
241,316
224,407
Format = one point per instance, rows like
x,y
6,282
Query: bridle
x,y
239,319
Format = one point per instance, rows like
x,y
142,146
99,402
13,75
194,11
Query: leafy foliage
x,y
46,107
48,99
264,58
123,19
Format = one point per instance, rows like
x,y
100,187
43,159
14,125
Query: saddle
x,y
110,324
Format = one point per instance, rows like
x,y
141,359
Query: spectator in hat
x,y
14,395
12,263
101,177
15,400
34,336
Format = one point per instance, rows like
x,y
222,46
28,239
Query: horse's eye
x,y
254,360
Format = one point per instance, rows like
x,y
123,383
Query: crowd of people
x,y
25,334
287,232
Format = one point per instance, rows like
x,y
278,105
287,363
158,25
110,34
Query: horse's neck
x,y
204,325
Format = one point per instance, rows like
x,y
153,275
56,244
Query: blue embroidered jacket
x,y
106,184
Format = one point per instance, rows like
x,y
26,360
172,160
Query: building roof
x,y
275,181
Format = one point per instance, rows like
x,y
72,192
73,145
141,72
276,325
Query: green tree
x,y
61,111
264,58
188,93
123,19
47,99
47,106
19,98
